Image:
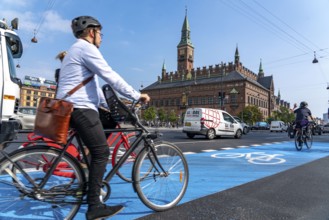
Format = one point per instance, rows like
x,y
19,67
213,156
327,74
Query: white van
x,y
211,123
278,126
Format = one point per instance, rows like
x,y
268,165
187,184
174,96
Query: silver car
x,y
244,125
26,117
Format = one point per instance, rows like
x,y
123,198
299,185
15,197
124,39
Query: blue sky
x,y
140,35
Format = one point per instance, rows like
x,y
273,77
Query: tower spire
x,y
236,56
163,72
185,49
260,72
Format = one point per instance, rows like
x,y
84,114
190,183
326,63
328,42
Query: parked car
x,y
244,125
278,126
260,125
25,117
326,128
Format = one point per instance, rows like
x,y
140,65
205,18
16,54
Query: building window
x,y
177,102
190,101
203,100
234,98
195,102
210,100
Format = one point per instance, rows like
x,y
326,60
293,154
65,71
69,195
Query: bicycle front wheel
x,y
20,196
309,139
298,140
163,186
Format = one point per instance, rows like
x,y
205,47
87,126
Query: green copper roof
x,y
164,65
185,38
261,72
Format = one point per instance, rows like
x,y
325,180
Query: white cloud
x,y
14,3
54,22
137,69
29,21
124,43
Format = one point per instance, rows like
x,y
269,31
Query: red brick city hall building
x,y
228,86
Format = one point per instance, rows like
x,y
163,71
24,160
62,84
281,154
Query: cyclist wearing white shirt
x,y
83,60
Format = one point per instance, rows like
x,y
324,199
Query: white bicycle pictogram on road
x,y
255,157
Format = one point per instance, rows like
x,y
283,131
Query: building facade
x,y
33,88
229,86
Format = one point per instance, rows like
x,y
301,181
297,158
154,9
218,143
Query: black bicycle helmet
x,y
82,22
303,104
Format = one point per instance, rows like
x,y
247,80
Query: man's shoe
x,y
102,211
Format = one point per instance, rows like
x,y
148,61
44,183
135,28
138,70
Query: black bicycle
x,y
49,183
303,136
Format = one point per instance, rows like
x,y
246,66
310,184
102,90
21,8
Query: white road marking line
x,y
189,152
210,150
227,148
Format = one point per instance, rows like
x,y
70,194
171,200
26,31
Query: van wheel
x,y
211,134
245,130
190,135
238,134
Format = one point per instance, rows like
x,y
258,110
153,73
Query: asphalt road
x,y
298,193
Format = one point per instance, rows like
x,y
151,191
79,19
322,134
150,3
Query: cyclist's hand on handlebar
x,y
145,98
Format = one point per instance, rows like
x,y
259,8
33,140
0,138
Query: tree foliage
x,y
150,113
172,116
251,114
162,114
283,114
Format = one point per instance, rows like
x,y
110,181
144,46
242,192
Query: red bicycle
x,y
118,142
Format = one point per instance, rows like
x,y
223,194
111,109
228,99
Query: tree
x,y
172,116
162,115
150,114
251,114
283,114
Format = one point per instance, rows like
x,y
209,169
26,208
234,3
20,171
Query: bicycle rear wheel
x,y
61,196
309,139
161,189
298,140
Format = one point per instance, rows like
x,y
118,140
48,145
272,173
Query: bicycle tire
x,y
125,171
298,139
157,190
309,140
61,196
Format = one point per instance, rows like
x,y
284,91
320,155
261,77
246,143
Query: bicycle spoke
x,y
161,189
61,196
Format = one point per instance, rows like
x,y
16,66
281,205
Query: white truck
x,y
210,123
10,48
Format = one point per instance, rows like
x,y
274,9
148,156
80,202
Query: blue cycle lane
x,y
215,171
212,172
